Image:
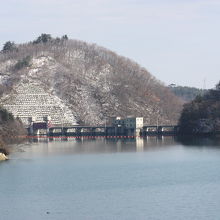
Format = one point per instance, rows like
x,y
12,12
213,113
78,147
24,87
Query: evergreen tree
x,y
43,38
65,37
9,46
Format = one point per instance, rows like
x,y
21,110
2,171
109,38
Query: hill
x,y
202,115
186,93
80,83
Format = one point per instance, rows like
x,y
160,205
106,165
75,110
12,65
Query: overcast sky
x,y
178,41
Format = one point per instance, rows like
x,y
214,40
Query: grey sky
x,y
178,41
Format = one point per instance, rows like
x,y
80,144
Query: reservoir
x,y
159,178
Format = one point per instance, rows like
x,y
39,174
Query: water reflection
x,y
139,144
199,141
57,145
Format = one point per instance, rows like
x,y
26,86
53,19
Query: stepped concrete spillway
x,y
30,99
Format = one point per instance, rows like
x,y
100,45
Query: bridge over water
x,y
109,130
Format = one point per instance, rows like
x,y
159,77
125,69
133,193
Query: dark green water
x,y
102,179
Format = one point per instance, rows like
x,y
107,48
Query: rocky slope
x,y
89,83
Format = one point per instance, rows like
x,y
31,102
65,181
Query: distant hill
x,y
83,83
186,93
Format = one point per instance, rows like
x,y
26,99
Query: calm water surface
x,y
153,178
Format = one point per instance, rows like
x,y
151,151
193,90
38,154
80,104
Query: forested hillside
x,y
202,115
10,129
93,82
